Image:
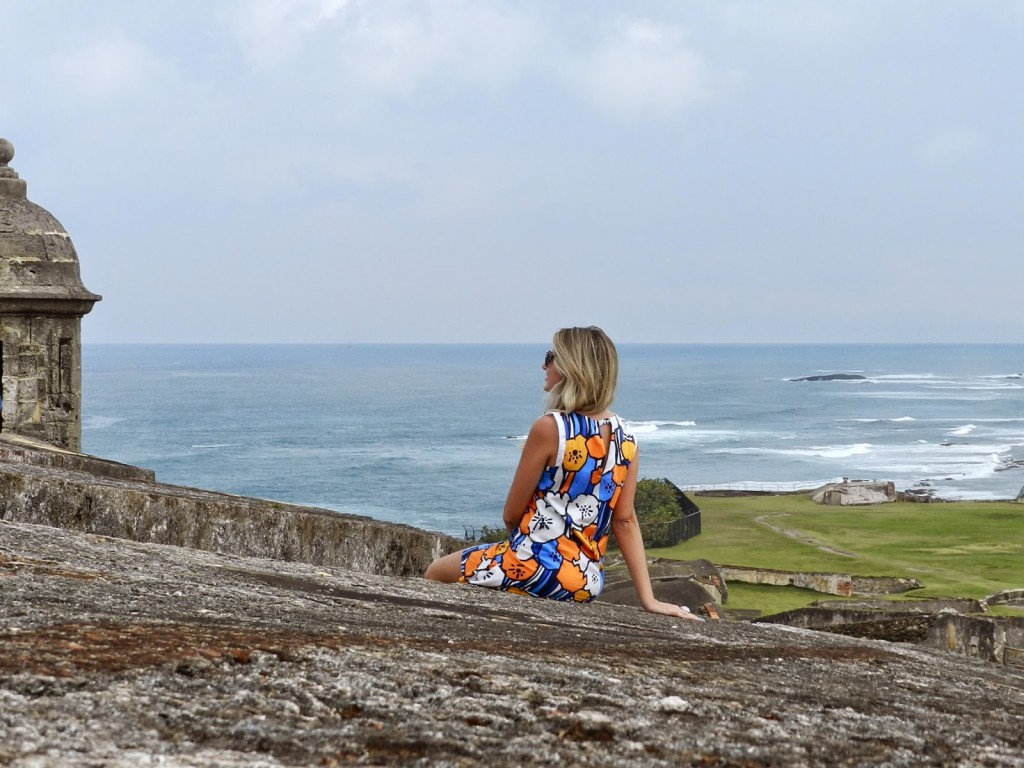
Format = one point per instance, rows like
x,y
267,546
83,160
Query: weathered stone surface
x,y
19,450
51,487
118,654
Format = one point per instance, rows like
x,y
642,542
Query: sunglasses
x,y
549,358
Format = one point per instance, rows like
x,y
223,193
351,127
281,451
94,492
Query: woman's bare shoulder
x,y
545,426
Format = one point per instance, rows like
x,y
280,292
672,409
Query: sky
x,y
691,171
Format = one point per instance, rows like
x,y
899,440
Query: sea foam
x,y
100,422
648,427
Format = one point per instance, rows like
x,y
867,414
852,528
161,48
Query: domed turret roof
x,y
39,270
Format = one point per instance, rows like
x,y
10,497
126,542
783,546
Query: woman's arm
x,y
538,454
631,545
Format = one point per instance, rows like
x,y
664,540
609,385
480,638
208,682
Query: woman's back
x,y
558,547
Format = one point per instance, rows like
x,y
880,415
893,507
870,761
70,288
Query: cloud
x,y
799,22
109,70
950,145
640,68
270,29
350,49
392,46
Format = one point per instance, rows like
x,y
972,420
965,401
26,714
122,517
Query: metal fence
x,y
670,532
665,533
750,487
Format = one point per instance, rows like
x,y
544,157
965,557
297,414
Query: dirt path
x,y
766,521
801,536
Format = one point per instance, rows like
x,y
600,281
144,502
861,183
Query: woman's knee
x,y
447,569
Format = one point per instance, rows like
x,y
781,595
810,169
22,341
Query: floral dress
x,y
558,548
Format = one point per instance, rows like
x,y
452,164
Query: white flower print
x,y
583,510
582,562
595,578
524,551
487,574
546,523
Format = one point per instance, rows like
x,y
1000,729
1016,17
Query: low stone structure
x,y
697,584
998,639
1013,597
855,492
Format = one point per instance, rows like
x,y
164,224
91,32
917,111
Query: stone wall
x,y
57,488
980,637
1007,597
954,625
40,363
841,584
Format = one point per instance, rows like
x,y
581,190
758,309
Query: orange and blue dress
x,y
558,549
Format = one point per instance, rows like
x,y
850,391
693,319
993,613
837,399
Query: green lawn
x,y
959,549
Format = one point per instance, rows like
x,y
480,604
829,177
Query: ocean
x,y
429,435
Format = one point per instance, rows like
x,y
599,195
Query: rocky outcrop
x,y
124,654
833,377
39,484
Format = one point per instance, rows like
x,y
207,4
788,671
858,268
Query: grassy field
x,y
959,549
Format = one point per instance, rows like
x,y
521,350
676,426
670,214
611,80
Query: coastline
x,y
325,425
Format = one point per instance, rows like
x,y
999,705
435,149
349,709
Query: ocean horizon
x,y
429,434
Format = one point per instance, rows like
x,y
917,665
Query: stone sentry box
x,y
42,302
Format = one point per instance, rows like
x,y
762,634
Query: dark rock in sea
x,y
833,377
1006,464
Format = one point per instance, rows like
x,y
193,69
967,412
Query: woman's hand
x,y
668,609
631,546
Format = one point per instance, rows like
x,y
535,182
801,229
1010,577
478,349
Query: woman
x,y
575,484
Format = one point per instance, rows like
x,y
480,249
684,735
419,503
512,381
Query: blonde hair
x,y
589,366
